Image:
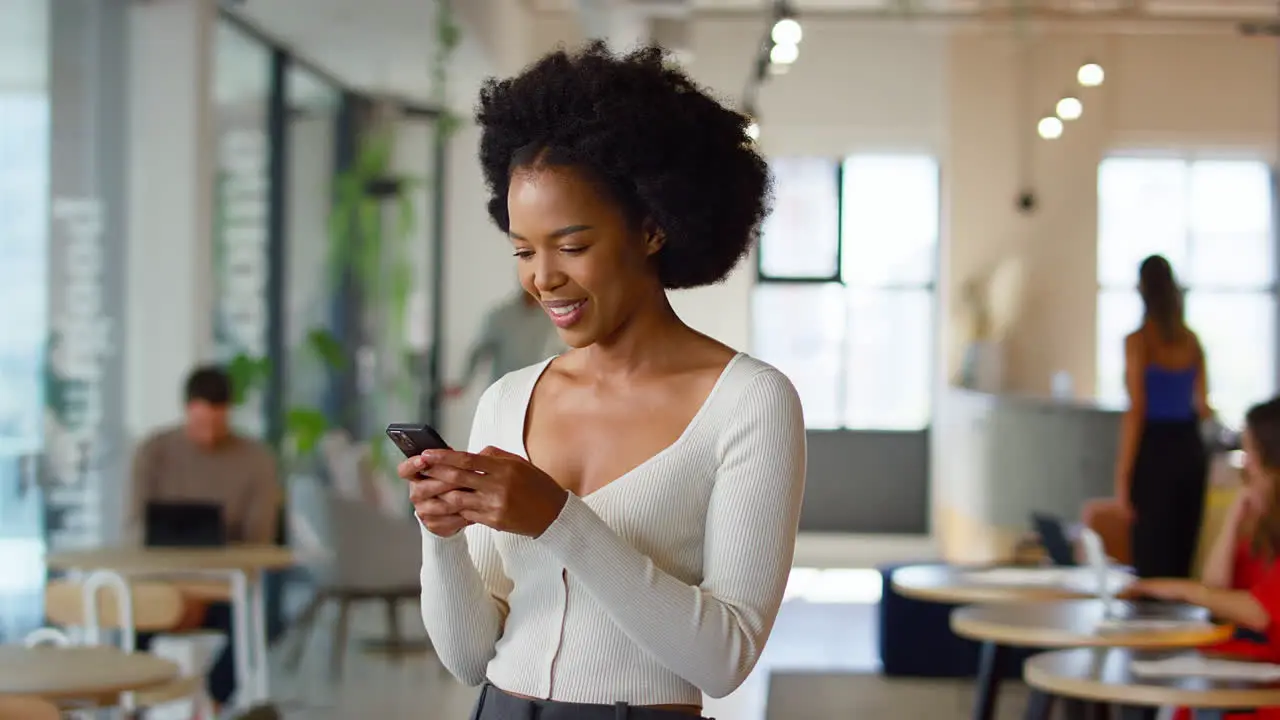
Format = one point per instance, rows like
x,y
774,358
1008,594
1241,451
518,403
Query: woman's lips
x,y
565,313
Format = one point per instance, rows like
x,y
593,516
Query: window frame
x,y
763,276
848,288
1272,289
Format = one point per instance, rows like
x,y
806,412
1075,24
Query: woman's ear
x,y
654,238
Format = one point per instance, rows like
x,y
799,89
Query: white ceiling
x,y
1202,8
380,45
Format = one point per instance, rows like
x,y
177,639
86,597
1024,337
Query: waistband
x,y
495,704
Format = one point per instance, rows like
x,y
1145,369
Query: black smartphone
x,y
413,439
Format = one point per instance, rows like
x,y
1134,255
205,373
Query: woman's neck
x,y
640,344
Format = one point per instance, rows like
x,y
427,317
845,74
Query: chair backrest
x,y
21,707
363,546
157,606
1105,517
373,549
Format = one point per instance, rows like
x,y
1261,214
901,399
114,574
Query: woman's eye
x,y
523,254
573,250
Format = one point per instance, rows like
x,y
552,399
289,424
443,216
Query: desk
x,y
88,674
1075,624
1070,624
241,565
948,584
1103,676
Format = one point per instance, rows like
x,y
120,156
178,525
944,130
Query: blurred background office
x,y
290,189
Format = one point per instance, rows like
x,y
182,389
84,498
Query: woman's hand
x,y
1248,503
507,492
1125,508
1175,589
431,499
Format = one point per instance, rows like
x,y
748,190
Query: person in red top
x,y
1240,581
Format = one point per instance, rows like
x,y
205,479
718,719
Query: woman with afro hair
x,y
617,539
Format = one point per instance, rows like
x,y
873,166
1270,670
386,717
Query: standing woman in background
x,y
1161,466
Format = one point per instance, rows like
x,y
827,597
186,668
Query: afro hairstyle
x,y
648,136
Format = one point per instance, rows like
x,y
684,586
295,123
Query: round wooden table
x,y
1077,623
90,674
160,561
954,585
1104,676
242,566
1070,623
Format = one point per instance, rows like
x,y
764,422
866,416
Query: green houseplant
x,y
371,224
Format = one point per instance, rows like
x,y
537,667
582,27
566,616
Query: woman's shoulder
x,y
751,388
511,391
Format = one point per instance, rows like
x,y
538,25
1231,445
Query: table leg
x,y
988,682
1073,709
1039,706
246,692
258,599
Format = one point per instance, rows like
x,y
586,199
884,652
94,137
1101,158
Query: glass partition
x,y
24,241
242,94
310,284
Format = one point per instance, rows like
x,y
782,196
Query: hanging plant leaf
x,y
248,373
326,347
306,426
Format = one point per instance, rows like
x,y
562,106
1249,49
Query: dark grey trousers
x,y
495,704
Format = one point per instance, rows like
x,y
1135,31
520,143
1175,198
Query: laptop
x,y
184,525
1053,536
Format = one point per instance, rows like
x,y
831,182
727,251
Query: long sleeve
x,y
464,588
261,522
710,634
142,474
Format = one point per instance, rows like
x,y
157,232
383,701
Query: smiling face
x,y
579,254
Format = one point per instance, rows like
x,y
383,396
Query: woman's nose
x,y
547,274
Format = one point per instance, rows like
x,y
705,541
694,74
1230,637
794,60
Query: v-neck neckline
x,y
688,429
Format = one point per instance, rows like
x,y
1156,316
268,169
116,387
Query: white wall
x,y
1202,93
171,173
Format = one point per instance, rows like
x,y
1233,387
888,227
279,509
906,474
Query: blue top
x,y
1170,393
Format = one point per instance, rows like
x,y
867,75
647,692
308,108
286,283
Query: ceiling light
x,y
784,54
1050,128
1070,108
1090,74
753,130
787,31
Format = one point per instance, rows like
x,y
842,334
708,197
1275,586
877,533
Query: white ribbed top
x,y
656,588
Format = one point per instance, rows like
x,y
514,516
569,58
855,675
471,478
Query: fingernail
x,y
418,462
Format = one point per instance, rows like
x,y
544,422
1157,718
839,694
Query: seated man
x,y
204,461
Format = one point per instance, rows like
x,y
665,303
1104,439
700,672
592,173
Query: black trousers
x,y
222,676
1167,493
494,704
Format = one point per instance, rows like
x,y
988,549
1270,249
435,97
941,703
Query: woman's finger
x,y
423,488
465,500
433,507
445,526
457,476
410,468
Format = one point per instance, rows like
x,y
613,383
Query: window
x,y
1213,220
845,300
